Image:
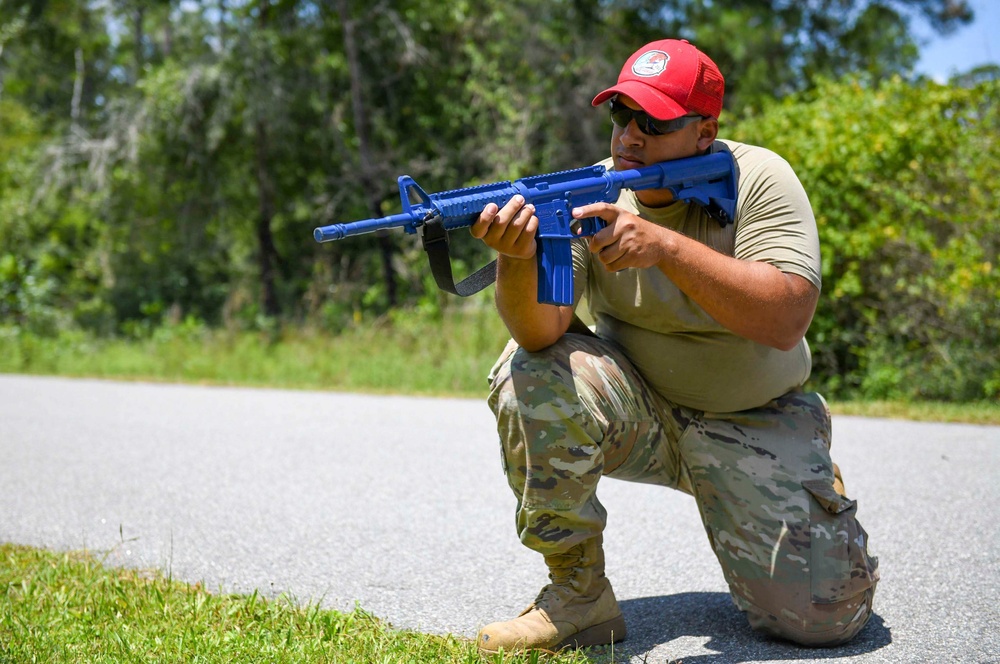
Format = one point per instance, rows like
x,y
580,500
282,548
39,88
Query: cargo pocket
x,y
840,567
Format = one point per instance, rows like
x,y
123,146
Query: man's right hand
x,y
509,230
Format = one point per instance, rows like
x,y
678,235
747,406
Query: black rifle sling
x,y
435,241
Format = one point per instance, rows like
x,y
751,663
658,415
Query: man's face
x,y
630,148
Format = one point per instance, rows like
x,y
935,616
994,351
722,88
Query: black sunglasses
x,y
621,115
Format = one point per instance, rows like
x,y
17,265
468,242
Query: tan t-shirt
x,y
684,354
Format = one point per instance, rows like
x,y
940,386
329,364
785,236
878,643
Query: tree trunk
x,y
222,25
138,36
267,252
75,102
386,247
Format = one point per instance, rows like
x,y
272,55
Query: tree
x,y
183,151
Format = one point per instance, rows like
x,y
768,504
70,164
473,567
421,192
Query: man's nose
x,y
631,135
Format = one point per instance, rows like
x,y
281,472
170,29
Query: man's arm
x,y
510,231
752,299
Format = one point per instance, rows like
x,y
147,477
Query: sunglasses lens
x,y
652,127
621,115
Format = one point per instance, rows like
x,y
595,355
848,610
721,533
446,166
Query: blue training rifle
x,y
707,180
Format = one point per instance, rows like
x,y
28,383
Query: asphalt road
x,y
398,505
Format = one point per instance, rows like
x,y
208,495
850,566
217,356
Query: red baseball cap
x,y
670,78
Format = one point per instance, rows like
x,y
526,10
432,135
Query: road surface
x,y
398,505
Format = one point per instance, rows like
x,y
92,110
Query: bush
x,y
902,177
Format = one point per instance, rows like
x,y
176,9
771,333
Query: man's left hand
x,y
627,240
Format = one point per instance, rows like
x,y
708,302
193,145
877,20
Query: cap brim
x,y
654,102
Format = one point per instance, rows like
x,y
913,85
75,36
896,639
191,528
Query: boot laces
x,y
570,575
565,584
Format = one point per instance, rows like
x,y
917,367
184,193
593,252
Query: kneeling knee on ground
x,y
810,623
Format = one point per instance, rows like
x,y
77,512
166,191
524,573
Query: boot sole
x,y
611,631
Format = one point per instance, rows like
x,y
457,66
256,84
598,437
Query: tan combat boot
x,y
838,481
577,609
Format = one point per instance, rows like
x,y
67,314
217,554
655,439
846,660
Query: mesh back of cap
x,y
706,95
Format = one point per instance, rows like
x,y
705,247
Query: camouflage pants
x,y
790,547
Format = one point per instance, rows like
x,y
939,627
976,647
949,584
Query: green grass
x,y
67,607
448,355
928,411
411,353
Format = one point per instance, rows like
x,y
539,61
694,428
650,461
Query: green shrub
x,y
902,177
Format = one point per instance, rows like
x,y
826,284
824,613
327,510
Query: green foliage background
x,y
162,164
902,177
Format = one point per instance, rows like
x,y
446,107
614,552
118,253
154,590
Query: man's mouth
x,y
628,161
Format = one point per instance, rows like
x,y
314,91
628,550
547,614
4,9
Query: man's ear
x,y
708,130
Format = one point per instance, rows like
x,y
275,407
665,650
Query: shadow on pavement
x,y
712,617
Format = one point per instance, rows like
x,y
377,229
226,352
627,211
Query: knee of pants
x,y
518,375
540,390
540,413
811,624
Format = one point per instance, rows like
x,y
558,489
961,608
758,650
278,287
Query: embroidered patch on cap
x,y
650,63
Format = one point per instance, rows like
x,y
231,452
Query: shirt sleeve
x,y
775,223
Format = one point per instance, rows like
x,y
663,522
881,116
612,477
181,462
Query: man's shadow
x,y
653,621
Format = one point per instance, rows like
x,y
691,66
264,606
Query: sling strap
x,y
434,238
